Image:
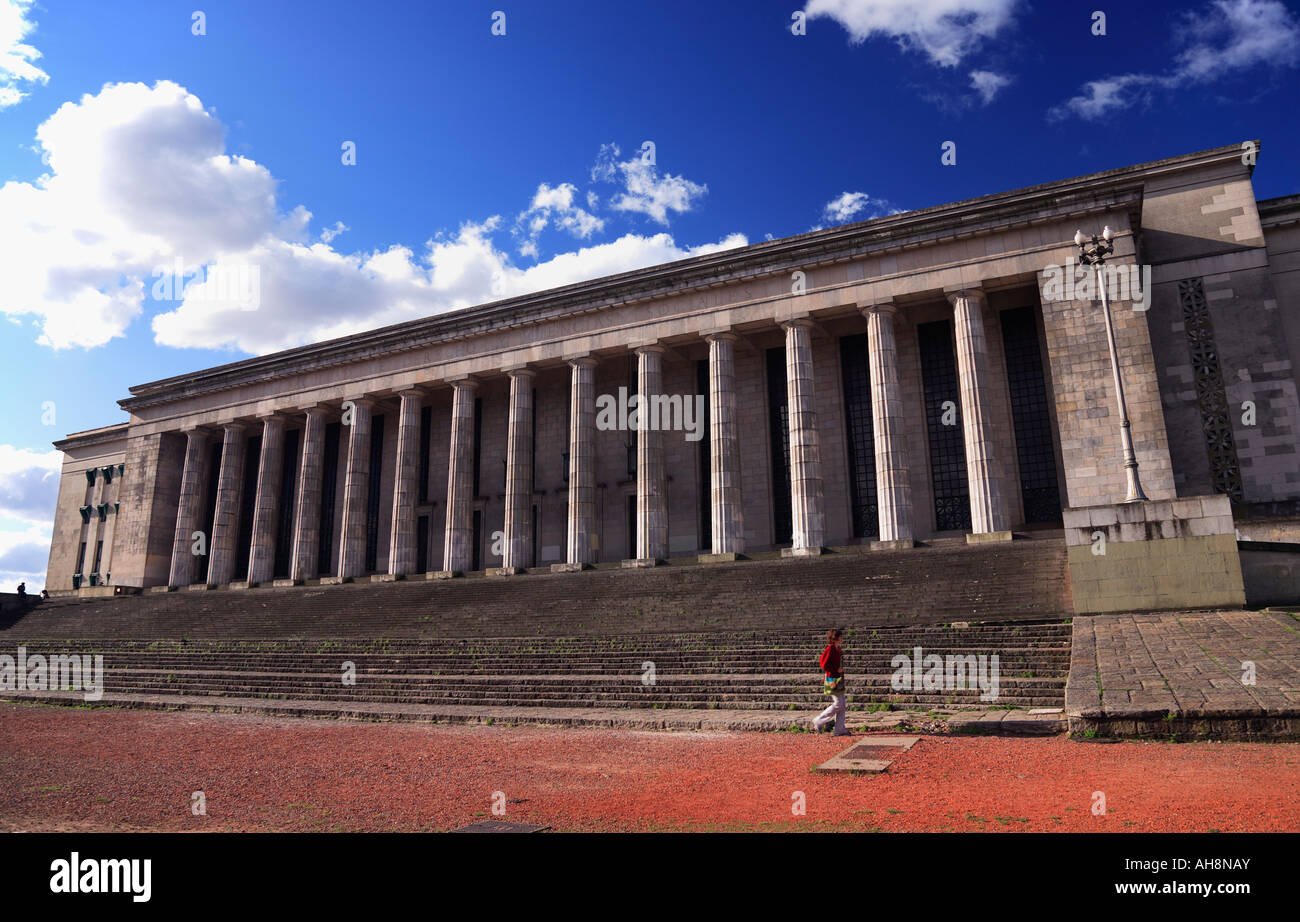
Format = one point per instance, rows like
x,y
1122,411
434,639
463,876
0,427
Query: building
x,y
939,372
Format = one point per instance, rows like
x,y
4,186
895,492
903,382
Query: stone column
x,y
581,551
458,549
808,510
726,509
356,489
893,484
519,474
266,508
225,523
306,515
187,510
651,473
406,485
987,504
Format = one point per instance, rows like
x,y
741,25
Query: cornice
x,y
1095,192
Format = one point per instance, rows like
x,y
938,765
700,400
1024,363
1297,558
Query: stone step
x,y
714,719
1020,580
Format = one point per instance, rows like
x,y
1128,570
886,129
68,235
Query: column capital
x,y
412,392
362,401
725,336
279,417
235,425
649,349
583,361
794,322
888,308
469,382
316,408
965,292
521,371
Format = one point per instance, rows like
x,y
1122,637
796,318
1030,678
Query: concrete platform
x,y
869,722
1225,675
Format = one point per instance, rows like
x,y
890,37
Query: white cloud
x,y
847,206
1223,39
29,483
315,293
29,486
17,69
946,31
988,84
644,190
553,205
24,556
139,177
328,234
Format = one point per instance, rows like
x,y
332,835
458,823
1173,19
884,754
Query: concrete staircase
x,y
736,638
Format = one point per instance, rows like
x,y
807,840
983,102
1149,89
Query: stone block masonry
x,y
1167,554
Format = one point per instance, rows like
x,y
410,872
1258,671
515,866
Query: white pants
x,y
839,705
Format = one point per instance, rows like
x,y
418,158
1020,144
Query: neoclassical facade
x,y
880,383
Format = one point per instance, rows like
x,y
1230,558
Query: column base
x,y
640,563
162,588
802,551
988,537
386,577
240,584
728,557
195,587
570,567
444,574
506,571
901,544
335,580
285,583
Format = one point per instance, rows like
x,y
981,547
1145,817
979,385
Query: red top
x,y
830,661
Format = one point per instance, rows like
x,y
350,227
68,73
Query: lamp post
x,y
1094,253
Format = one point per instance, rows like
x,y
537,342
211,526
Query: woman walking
x,y
832,664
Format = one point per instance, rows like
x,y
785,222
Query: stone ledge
x,y
285,583
570,567
641,563
385,578
506,571
905,544
444,574
720,558
988,537
802,551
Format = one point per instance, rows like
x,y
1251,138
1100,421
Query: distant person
x,y
45,594
22,592
832,665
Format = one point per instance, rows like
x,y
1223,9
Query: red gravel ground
x,y
100,769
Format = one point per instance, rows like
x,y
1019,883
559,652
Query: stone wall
x,y
75,492
1166,554
151,486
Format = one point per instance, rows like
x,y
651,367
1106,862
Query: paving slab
x,y
1186,675
628,718
873,755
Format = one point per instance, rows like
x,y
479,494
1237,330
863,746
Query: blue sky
x,y
490,165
